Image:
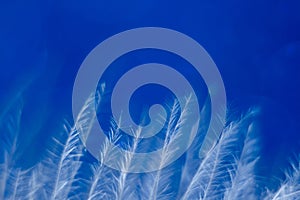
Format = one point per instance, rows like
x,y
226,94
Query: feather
x,y
290,188
213,173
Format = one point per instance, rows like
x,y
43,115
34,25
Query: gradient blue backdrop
x,y
255,44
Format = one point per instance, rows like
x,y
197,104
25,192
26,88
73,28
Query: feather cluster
x,y
227,171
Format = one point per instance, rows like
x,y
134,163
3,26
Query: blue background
x,y
255,44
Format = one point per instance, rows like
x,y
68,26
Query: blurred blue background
x,y
255,44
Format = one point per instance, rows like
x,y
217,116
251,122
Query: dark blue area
x,y
255,44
